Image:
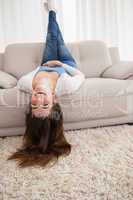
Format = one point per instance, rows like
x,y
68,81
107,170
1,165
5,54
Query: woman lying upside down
x,y
44,138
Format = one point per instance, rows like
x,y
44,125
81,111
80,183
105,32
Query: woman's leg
x,y
63,53
50,51
55,48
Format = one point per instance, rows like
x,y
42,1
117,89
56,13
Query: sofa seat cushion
x,y
12,117
13,106
98,98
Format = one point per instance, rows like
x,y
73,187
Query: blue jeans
x,y
55,48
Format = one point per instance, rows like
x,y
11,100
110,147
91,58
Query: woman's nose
x,y
39,99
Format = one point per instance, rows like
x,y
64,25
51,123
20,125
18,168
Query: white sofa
x,y
103,99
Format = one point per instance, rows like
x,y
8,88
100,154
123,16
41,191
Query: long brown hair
x,y
43,140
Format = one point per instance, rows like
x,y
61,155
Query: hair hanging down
x,y
43,141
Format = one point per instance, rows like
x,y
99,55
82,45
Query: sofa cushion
x,y
1,61
19,59
114,54
97,98
13,97
13,106
7,80
92,57
120,70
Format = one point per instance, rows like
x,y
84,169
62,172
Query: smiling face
x,y
42,100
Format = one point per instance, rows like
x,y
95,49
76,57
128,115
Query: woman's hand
x,y
53,63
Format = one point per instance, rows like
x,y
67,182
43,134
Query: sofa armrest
x,y
121,70
130,77
1,61
7,80
114,54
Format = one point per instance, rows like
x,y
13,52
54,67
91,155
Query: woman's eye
x,y
45,106
33,106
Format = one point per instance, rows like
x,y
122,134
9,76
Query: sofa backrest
x,y
115,56
92,57
20,59
1,61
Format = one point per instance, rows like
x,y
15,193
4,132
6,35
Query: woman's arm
x,y
52,63
72,70
70,84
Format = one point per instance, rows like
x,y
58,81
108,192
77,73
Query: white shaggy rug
x,y
100,167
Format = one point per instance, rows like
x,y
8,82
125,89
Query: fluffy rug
x,y
100,167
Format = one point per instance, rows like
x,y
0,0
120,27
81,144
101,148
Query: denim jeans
x,y
55,48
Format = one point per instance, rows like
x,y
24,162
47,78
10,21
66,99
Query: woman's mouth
x,y
40,92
